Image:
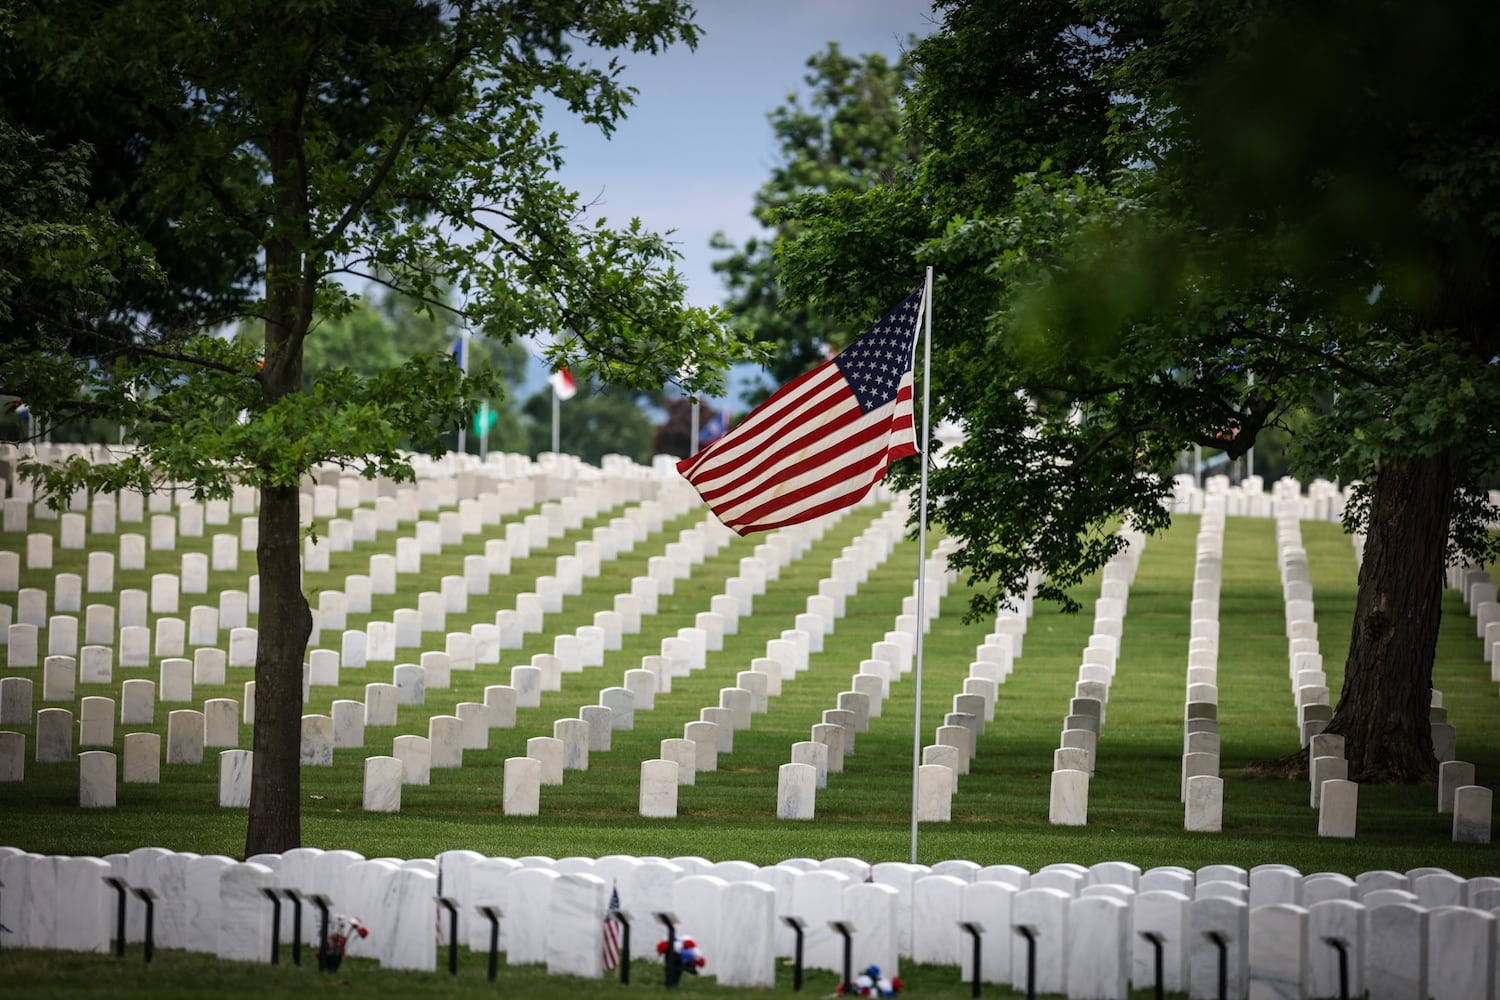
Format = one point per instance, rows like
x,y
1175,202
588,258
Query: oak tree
x,y
304,146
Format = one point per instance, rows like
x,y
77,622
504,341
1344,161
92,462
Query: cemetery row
x,y
413,756
1088,932
574,739
1202,790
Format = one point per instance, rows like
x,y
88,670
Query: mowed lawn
x,y
999,815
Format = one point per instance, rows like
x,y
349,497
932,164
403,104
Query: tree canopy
x,y
255,157
1154,227
844,134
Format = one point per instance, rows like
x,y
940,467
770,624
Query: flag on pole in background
x,y
460,351
612,931
822,440
563,384
714,429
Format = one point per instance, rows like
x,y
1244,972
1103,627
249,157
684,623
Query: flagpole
x,y
463,368
556,412
693,430
916,728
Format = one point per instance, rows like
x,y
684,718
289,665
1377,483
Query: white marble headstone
x,y
234,778
383,780
521,794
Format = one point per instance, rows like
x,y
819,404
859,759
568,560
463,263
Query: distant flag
x,y
714,429
460,351
22,410
822,440
612,931
563,384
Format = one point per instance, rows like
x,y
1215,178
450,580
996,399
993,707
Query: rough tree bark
x,y
1382,711
274,824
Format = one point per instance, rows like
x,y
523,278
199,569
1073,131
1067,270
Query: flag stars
x,y
874,364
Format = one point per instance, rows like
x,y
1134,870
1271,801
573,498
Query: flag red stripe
x,y
812,440
844,457
810,449
835,445
770,417
814,498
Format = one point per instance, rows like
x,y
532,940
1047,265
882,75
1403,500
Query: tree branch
x,y
397,287
232,208
408,125
1332,360
1076,466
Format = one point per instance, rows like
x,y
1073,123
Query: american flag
x,y
612,931
822,440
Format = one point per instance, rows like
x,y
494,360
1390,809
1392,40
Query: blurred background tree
x,y
843,134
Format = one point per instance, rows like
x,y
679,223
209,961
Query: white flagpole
x,y
693,430
556,412
916,726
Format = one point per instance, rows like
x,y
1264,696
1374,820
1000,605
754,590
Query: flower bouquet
x,y
680,955
341,926
871,983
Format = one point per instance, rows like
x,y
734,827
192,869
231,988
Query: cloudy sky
x,y
697,143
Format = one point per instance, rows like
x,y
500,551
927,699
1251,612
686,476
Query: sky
x,y
697,144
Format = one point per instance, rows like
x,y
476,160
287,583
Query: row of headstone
x,y
1074,759
138,763
1478,592
1321,501
100,655
1309,682
1330,792
1202,788
956,738
131,630
835,736
549,757
1091,928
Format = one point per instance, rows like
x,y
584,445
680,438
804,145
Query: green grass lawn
x,y
1000,813
998,816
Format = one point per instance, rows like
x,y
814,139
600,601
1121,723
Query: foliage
x,y
1105,295
1156,227
1350,153
307,143
844,136
598,421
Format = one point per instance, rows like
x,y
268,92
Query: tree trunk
x,y
1383,709
285,622
275,822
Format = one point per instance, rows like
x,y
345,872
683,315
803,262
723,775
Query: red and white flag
x,y
563,384
823,440
612,930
